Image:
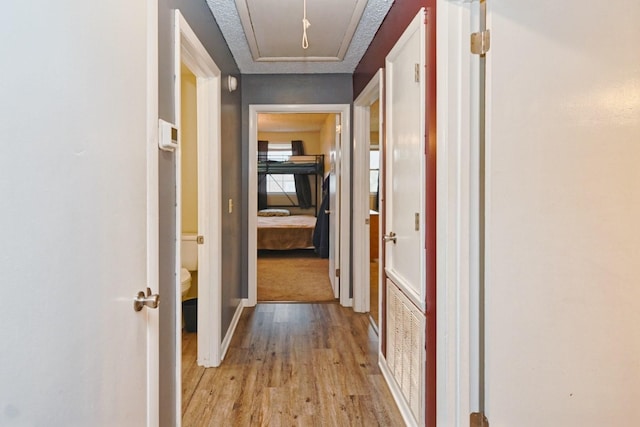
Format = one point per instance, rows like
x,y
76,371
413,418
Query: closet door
x,y
563,205
404,208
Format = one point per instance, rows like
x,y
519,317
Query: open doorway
x,y
198,214
320,162
373,188
368,147
293,211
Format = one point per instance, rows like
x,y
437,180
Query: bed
x,y
308,171
286,232
304,164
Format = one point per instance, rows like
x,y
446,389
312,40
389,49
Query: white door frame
x,y
190,52
361,226
457,198
153,217
345,193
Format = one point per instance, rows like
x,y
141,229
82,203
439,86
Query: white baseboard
x,y
232,328
405,411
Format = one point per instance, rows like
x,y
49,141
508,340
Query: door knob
x,y
148,300
391,237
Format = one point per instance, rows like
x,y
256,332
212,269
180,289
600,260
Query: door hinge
x,y
337,272
417,73
200,240
477,419
338,128
480,42
366,221
417,221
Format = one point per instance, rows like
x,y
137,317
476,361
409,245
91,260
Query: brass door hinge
x,y
416,73
337,272
477,419
200,240
480,42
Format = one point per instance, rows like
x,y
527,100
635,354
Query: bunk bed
x,y
278,229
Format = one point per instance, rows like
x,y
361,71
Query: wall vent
x,y
406,347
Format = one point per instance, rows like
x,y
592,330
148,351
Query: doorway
x,y
294,163
338,161
367,170
201,214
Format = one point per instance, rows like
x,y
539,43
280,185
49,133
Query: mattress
x,y
286,232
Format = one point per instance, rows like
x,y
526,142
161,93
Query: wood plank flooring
x,y
291,365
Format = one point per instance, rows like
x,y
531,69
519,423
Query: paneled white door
x,y
563,208
405,184
404,262
73,184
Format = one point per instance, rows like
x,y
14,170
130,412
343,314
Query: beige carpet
x,y
293,276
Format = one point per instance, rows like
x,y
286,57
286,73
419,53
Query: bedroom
x,y
292,223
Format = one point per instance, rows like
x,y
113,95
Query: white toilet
x,y
189,255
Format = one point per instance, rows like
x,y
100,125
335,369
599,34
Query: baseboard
x,y
245,303
232,328
405,411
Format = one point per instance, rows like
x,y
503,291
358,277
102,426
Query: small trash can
x,y
190,314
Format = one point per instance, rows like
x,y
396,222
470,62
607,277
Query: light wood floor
x,y
291,364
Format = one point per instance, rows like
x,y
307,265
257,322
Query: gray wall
x,y
200,19
284,89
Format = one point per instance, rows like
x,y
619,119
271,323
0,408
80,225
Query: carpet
x,y
298,275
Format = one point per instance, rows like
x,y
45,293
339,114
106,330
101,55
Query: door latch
x,y
148,300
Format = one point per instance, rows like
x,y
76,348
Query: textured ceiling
x,y
275,13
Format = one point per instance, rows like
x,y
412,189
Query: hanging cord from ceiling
x,y
305,24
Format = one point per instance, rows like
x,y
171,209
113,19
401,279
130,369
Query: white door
x,y
405,164
404,321
335,162
73,184
563,205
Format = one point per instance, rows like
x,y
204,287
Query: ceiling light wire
x,y
305,24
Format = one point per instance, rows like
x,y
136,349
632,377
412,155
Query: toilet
x,y
185,281
189,256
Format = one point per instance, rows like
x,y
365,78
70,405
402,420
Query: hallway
x,y
291,364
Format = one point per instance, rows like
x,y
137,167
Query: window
x,y
374,170
279,151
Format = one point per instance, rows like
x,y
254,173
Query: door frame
x,y
190,52
374,91
457,225
345,192
153,217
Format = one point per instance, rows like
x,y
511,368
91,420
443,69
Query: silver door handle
x,y
327,211
391,237
148,300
